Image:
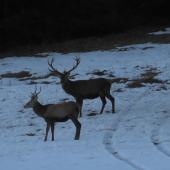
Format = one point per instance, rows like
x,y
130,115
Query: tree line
x,y
47,21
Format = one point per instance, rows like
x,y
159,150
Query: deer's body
x,y
60,112
56,113
85,89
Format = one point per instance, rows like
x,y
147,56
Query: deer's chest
x,y
68,89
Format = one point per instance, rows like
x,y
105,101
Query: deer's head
x,y
34,98
63,76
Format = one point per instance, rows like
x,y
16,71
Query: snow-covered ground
x,y
137,136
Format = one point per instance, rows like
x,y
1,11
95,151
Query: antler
x,y
39,91
51,65
65,72
33,94
74,66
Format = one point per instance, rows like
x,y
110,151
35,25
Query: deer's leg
x,y
78,126
52,129
102,97
47,130
112,99
80,102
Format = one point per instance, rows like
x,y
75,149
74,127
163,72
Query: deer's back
x,y
87,88
61,111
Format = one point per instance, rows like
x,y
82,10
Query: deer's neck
x,y
39,109
68,86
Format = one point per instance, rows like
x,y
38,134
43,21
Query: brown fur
x,y
56,113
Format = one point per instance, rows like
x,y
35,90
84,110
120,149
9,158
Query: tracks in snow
x,y
152,134
113,150
155,135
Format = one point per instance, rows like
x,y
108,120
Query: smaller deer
x,y
55,113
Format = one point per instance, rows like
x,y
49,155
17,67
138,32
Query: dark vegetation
x,y
101,73
92,114
21,74
28,22
147,77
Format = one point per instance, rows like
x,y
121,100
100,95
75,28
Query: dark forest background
x,y
25,22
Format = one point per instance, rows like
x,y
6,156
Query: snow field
x,y
137,136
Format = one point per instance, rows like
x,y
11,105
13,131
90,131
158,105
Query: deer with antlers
x,y
84,89
55,113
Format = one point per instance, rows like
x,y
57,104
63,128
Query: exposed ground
x,y
136,36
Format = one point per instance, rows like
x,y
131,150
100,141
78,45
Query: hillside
x,y
137,136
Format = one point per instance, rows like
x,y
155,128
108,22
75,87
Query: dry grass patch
x,y
163,87
36,78
29,134
92,114
102,73
98,72
135,84
149,74
145,48
32,82
45,82
21,74
147,77
118,90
